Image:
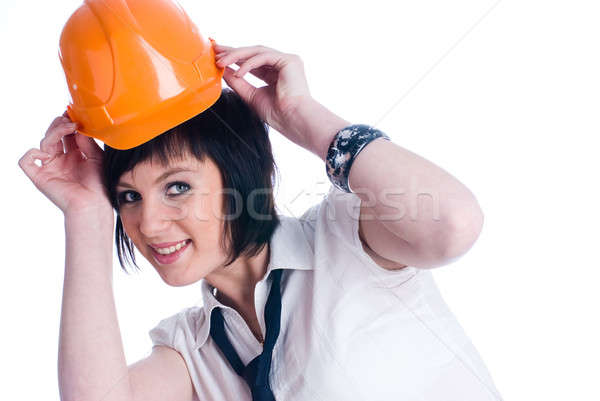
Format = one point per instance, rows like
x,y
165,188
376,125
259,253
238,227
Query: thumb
x,y
88,146
239,84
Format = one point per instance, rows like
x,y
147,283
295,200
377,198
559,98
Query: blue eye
x,y
179,184
182,188
123,197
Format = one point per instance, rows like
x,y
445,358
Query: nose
x,y
156,216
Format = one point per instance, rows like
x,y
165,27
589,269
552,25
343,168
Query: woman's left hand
x,y
286,88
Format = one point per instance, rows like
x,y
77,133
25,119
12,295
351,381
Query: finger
x,y
243,53
27,162
267,73
88,146
52,143
239,85
260,60
57,121
69,143
223,63
220,48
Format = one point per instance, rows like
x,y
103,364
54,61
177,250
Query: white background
x,y
504,95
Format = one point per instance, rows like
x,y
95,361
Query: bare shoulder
x,y
163,375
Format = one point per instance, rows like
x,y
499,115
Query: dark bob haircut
x,y
233,136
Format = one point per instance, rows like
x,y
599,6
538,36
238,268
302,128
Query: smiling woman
x,y
329,306
196,174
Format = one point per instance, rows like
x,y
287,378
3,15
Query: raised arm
x,y
441,218
413,213
91,361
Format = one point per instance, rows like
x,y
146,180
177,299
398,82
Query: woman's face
x,y
179,204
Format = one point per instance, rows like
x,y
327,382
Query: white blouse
x,y
350,330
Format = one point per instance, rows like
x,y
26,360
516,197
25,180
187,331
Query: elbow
x,y
457,238
464,229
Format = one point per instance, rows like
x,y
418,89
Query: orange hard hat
x,y
136,69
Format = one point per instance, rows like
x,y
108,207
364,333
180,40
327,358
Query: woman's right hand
x,y
71,180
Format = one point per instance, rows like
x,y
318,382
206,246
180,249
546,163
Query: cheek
x,y
128,224
205,222
207,209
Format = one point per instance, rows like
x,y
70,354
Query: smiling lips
x,y
165,244
166,256
166,247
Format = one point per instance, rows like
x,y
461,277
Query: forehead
x,y
153,170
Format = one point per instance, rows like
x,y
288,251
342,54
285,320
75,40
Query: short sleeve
x,y
336,222
178,332
164,332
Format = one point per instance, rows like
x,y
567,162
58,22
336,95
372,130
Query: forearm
x,y
411,197
316,123
91,361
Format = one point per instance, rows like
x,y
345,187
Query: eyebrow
x,y
161,177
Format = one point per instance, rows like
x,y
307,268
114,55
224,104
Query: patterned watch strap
x,y
344,148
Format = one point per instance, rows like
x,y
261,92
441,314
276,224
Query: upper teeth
x,y
166,251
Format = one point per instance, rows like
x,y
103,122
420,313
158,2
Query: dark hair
x,y
233,136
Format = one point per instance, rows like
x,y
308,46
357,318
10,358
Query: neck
x,y
235,283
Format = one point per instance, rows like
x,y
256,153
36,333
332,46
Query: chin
x,y
178,278
179,283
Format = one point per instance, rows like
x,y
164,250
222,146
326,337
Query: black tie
x,y
256,373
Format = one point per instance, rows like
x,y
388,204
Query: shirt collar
x,y
289,249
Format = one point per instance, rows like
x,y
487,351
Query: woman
x,y
336,305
